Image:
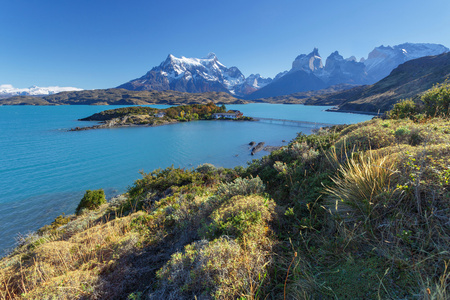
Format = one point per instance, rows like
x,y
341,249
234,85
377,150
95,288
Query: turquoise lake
x,y
45,169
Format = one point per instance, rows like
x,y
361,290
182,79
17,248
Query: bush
x,y
403,109
220,269
91,200
206,168
368,135
160,180
437,101
241,187
242,216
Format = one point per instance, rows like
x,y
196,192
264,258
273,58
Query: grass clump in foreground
x,y
350,212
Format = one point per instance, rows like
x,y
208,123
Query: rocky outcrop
x,y
258,148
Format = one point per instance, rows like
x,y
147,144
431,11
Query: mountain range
x,y
7,90
197,75
409,80
308,72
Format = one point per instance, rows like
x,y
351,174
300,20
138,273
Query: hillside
x,y
407,80
359,211
313,97
122,97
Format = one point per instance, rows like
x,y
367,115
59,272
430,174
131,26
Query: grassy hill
x,y
350,212
122,97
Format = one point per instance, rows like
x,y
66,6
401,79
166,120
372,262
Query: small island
x,y
149,116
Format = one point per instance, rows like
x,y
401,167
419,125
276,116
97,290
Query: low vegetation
x,y
91,200
139,115
349,212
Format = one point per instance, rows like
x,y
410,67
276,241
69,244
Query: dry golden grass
x,y
67,269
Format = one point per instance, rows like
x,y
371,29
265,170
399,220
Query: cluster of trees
x,y
194,111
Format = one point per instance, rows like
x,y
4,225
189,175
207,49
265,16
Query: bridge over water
x,y
293,122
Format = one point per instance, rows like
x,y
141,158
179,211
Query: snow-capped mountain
x,y
196,75
382,60
309,73
7,90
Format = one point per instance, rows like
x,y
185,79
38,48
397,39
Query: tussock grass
x,y
363,184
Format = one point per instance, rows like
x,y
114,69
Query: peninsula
x,y
149,116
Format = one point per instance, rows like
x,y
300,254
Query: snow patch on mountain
x,y
9,90
383,59
196,75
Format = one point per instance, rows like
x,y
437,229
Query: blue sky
x,y
104,43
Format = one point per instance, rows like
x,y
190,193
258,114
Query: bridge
x,y
293,122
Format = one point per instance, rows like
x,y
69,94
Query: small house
x,y
233,114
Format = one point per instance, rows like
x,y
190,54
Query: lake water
x,y
45,169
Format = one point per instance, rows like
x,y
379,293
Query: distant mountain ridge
x,y
408,80
7,90
382,60
308,72
122,97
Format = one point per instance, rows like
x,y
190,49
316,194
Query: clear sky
x,y
103,43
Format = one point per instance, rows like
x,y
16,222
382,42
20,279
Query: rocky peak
x,y
170,58
333,61
211,55
257,81
309,63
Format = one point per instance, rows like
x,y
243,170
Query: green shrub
x,y
241,216
401,132
91,200
303,151
220,269
368,135
321,139
206,168
403,109
160,180
58,222
241,186
437,101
